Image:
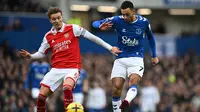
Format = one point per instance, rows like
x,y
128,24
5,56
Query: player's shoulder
x,y
48,33
142,19
114,18
68,25
77,28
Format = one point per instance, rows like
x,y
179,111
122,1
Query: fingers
x,y
119,51
107,24
23,50
115,54
154,62
24,53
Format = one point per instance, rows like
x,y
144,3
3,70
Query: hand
x,y
25,53
106,25
154,60
115,51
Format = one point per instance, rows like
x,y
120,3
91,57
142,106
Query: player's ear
x,y
134,11
50,20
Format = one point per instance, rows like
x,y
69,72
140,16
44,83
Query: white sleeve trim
x,y
37,55
97,40
44,45
78,31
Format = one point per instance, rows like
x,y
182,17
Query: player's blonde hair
x,y
53,10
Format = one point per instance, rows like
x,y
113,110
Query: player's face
x,y
56,20
128,14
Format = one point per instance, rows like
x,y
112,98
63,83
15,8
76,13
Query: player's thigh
x,y
52,80
135,66
45,90
71,77
118,70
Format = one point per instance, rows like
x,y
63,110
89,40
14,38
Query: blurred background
x,y
171,86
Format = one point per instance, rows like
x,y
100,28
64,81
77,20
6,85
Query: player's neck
x,y
57,29
134,18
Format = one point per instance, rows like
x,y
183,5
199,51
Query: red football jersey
x,y
64,45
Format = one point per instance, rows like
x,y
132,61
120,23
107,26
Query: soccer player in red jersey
x,y
63,41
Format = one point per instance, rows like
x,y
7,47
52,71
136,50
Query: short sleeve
x,y
78,31
147,24
44,45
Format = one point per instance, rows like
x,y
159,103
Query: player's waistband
x,y
130,55
64,69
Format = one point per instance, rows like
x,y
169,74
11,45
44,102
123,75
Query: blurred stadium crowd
x,y
20,6
176,78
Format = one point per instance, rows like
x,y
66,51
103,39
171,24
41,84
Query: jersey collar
x,y
53,29
135,20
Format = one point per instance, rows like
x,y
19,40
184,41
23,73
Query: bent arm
x,y
96,24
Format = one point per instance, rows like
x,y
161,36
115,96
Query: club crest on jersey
x,y
138,31
66,35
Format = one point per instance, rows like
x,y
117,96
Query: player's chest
x,y
131,30
61,39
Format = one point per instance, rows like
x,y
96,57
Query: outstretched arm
x,y
26,54
39,54
79,31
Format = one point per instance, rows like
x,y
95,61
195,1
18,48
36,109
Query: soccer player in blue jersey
x,y
36,73
81,87
132,30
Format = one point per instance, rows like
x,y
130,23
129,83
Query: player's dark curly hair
x,y
127,4
53,10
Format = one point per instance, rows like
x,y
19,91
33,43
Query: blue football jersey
x,y
131,36
79,85
36,73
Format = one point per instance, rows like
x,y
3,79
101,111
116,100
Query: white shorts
x,y
124,67
78,97
55,77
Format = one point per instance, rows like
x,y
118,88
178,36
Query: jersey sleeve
x,y
150,38
78,31
148,28
44,46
